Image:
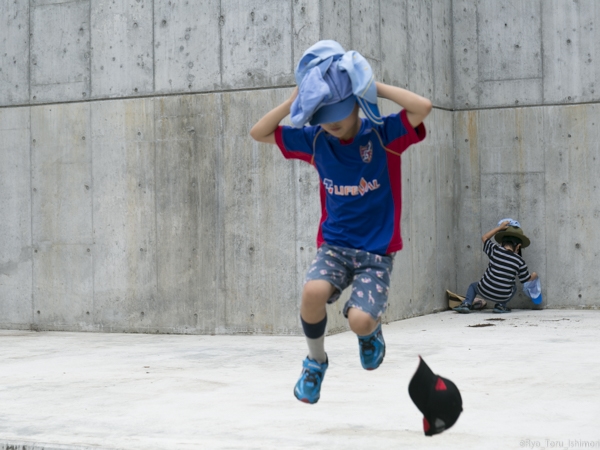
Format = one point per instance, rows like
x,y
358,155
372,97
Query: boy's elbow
x,y
256,135
427,106
424,109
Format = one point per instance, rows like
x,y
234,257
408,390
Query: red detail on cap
x,y
440,385
425,425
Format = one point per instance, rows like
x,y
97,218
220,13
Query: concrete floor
x,y
529,379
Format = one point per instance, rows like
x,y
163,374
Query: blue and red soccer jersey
x,y
360,180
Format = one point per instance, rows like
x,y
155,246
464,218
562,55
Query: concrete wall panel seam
x,y
92,310
477,34
91,58
542,50
32,320
452,61
221,22
154,48
293,58
433,79
29,55
379,40
351,28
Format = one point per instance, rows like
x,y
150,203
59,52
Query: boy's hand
x,y
417,107
492,232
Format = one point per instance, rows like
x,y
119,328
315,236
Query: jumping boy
x,y
358,161
506,264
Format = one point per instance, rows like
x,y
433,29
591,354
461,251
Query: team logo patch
x,y
366,152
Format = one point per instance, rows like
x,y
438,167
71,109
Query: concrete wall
x,y
536,164
133,198
525,52
54,51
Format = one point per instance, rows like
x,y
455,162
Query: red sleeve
x,y
293,137
415,134
409,136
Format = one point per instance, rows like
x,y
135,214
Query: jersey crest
x,y
366,152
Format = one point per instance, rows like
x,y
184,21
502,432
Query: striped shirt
x,y
498,281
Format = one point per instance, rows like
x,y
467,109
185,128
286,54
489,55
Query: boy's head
x,y
331,83
346,128
339,114
511,243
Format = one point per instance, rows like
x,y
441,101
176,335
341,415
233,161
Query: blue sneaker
x,y
308,387
372,349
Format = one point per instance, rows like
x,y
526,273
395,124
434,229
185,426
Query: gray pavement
x,y
529,379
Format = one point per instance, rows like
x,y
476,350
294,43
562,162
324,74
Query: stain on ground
x,y
496,318
479,325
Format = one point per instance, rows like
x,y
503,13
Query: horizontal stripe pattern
x,y
505,266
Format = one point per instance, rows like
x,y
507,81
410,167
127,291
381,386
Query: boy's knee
x,y
314,298
317,291
361,322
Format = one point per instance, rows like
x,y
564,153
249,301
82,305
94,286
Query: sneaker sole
x,y
305,400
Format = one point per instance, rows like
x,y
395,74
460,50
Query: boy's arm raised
x,y
417,107
492,232
264,129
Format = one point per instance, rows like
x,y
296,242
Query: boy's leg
x,y
467,305
325,280
370,289
471,293
502,307
313,315
370,338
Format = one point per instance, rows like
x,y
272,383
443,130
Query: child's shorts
x,y
368,273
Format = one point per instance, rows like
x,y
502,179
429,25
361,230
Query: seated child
x,y
498,282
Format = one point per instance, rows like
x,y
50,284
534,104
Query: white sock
x,y
316,349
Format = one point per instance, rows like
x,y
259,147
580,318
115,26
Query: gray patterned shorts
x,y
368,273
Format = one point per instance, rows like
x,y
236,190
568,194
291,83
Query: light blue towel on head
x,y
323,85
363,84
511,223
311,94
323,51
334,64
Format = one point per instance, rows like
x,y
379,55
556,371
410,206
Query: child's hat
x,y
437,398
339,102
516,232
